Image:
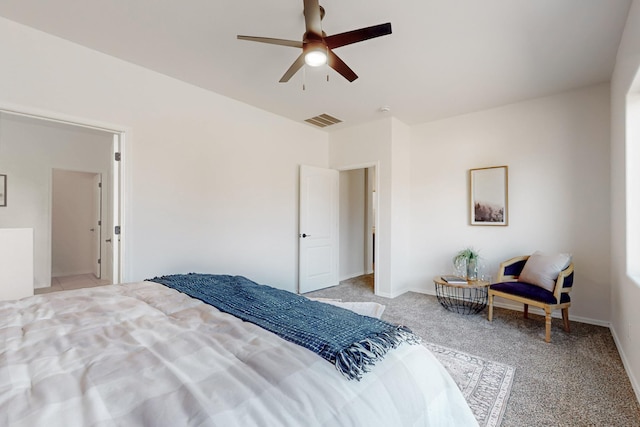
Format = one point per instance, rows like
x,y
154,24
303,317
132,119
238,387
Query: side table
x,y
464,298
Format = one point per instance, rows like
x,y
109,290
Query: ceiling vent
x,y
323,120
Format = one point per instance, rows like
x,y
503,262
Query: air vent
x,y
323,120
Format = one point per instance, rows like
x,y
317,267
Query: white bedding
x,y
144,354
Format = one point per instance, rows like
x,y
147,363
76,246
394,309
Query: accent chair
x,y
543,281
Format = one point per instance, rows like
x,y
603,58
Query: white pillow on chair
x,y
542,269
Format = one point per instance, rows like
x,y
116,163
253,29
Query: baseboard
x,y
422,291
625,362
557,314
533,310
351,276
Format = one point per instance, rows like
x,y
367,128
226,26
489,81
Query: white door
x,y
318,234
96,229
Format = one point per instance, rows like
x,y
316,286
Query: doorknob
x,y
108,240
305,235
92,229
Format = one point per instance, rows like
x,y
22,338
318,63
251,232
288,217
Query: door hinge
x,y
118,156
99,261
99,185
116,230
99,223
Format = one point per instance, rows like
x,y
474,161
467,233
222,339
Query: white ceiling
x,y
445,57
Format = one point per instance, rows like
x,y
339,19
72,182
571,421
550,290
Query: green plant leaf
x,y
466,254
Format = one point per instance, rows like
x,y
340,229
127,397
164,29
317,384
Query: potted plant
x,y
467,261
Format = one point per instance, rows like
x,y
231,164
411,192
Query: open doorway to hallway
x,y
77,210
357,225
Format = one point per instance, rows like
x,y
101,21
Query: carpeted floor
x,y
576,380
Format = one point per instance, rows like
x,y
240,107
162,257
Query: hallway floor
x,y
67,283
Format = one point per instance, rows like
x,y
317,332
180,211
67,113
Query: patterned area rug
x,y
485,384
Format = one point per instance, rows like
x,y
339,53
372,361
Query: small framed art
x,y
488,189
3,190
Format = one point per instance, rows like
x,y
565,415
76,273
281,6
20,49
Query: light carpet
x,y
576,380
484,384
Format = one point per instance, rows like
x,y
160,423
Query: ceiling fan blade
x,y
338,64
312,17
293,69
281,42
355,36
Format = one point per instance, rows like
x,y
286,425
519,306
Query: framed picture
x,y
3,190
488,195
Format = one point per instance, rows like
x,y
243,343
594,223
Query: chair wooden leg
x,y
565,318
547,321
490,308
526,311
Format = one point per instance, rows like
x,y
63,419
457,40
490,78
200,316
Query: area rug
x,y
485,384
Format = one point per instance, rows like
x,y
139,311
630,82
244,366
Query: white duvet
x,y
142,354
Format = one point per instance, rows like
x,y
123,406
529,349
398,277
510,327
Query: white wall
x,y
72,221
401,235
625,293
29,151
386,144
558,156
352,223
361,146
211,184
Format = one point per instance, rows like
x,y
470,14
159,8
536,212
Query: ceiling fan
x,y
317,46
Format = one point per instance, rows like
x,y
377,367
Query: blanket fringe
x,y
355,361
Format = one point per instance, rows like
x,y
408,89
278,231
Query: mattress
x,y
145,354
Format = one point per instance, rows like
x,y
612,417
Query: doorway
x,y
76,227
34,148
337,226
357,225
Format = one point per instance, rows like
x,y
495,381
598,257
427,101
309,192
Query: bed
x,y
145,354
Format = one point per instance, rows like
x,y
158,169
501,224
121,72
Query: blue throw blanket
x,y
350,341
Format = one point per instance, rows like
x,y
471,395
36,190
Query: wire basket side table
x,y
463,298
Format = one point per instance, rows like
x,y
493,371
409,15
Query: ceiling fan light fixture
x,y
317,46
315,57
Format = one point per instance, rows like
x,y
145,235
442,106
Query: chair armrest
x,y
564,282
510,269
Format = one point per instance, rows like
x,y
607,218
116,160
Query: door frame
x,y
376,246
120,182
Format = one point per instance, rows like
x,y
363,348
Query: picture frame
x,y
3,190
488,196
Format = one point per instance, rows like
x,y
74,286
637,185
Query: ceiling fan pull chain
x,y
327,62
304,77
